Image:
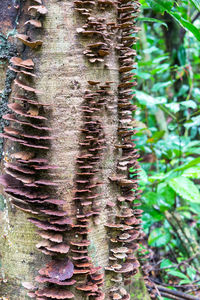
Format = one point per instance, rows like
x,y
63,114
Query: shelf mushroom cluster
x,y
124,226
26,177
96,30
86,194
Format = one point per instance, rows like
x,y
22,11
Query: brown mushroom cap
x,y
17,61
44,279
39,8
55,293
27,41
58,269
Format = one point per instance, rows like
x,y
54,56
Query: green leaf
x,y
157,176
166,263
196,3
150,198
142,75
186,24
156,136
189,104
151,49
143,178
177,274
160,5
193,150
167,5
185,166
160,85
158,59
193,172
160,69
159,237
187,208
183,91
166,196
152,20
148,100
152,216
174,107
184,281
195,121
182,55
191,273
185,188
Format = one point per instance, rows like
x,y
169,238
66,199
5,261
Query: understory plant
x,y
167,119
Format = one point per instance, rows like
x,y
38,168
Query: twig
x,y
187,234
176,285
183,262
169,218
169,296
193,289
176,293
167,111
196,17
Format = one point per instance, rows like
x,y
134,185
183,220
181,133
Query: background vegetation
x,y
168,119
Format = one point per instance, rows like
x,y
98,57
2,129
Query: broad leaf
x,y
177,274
193,150
158,59
189,104
143,178
185,188
196,3
186,24
174,107
142,75
152,20
195,121
160,5
167,5
166,196
159,237
182,55
161,85
191,273
185,281
161,69
150,198
166,263
193,172
148,100
185,166
156,136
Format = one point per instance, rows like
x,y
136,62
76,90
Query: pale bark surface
x,y
62,75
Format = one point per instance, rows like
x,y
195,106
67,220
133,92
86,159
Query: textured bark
x,y
65,80
63,75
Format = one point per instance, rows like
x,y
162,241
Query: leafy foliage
x,y
162,6
185,188
167,119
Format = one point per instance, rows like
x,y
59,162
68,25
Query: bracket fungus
x,y
24,179
32,192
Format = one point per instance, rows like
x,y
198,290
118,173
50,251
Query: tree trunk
x,y
62,74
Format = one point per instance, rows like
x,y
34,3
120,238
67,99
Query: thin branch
x,y
176,285
162,107
196,17
176,293
169,296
